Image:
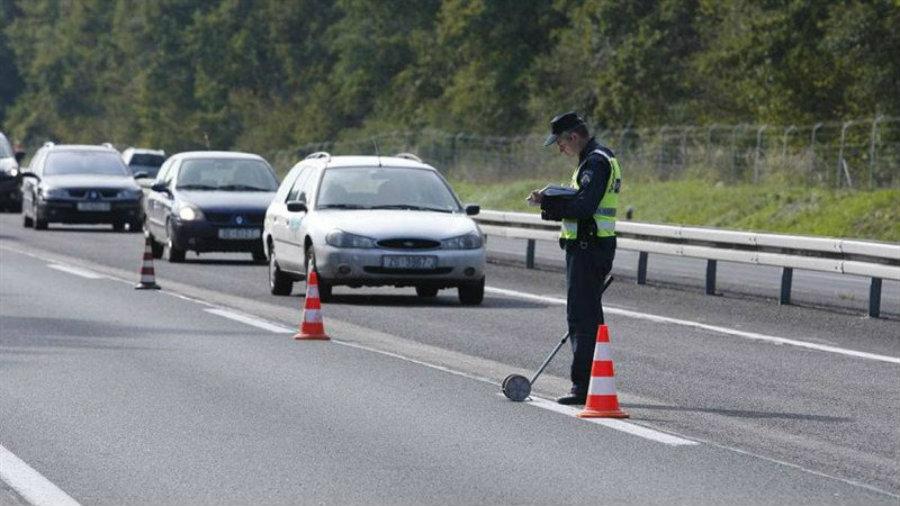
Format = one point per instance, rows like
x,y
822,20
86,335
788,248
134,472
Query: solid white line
x,y
620,425
249,320
84,273
30,484
712,328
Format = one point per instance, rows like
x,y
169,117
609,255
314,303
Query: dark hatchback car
x,y
206,201
79,184
10,194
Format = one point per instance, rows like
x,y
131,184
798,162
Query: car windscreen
x,y
85,162
385,188
226,174
146,163
5,148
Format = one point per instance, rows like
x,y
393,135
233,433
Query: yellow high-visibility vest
x,y
605,215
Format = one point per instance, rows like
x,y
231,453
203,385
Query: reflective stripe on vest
x,y
604,216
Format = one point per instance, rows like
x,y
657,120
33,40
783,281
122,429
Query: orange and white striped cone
x,y
312,328
602,401
148,276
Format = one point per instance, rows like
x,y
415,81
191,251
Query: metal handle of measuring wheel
x,y
534,378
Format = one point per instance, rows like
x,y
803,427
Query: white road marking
x,y
84,273
30,484
704,326
620,425
250,320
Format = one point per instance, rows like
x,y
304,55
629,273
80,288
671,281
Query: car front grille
x,y
232,218
80,193
401,243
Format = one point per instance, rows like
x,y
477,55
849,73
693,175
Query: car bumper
x,y
358,267
202,236
61,211
10,190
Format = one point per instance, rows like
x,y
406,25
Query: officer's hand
x,y
535,198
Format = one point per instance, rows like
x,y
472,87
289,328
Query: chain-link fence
x,y
861,154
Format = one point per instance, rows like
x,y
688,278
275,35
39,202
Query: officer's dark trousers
x,y
587,265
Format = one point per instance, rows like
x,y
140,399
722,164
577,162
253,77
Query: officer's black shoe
x,y
572,399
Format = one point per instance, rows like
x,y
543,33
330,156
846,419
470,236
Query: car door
x,y
164,201
151,202
292,243
30,186
276,225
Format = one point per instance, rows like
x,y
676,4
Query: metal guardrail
x,y
874,260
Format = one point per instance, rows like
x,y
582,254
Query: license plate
x,y
93,206
240,233
408,262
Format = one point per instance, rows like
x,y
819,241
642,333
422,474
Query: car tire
x,y
279,282
172,254
471,294
259,256
27,222
156,249
324,286
426,291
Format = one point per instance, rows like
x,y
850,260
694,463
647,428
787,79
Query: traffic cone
x,y
311,328
148,277
602,401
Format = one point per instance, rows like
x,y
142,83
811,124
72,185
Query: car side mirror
x,y
32,175
473,209
295,206
141,175
20,155
160,187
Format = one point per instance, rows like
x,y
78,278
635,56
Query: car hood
x,y
97,181
228,200
390,223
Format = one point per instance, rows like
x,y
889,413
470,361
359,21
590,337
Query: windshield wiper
x,y
196,187
341,206
412,208
243,187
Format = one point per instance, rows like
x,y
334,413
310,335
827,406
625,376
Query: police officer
x,y
588,237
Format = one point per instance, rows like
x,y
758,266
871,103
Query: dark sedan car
x,y
79,184
207,201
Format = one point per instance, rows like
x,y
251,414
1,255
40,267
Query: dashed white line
x,y
30,484
84,273
250,320
620,425
704,326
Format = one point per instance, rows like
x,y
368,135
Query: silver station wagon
x,y
372,221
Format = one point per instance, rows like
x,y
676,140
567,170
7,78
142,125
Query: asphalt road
x,y
123,396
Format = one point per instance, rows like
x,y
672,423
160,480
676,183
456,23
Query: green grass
x,y
769,208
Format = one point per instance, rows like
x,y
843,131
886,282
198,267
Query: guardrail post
x,y
529,254
787,276
875,298
710,277
642,268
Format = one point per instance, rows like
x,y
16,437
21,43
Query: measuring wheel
x,y
516,388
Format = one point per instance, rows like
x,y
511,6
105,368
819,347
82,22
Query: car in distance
x,y
205,201
372,221
144,163
10,193
70,183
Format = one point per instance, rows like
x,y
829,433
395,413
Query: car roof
x,y
79,147
192,155
368,161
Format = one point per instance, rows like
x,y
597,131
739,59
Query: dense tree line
x,y
267,74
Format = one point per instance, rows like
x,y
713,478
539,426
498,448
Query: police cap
x,y
562,124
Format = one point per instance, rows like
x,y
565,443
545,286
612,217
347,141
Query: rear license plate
x,y
240,233
93,206
408,262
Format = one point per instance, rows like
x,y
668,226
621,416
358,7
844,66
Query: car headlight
x,y
468,241
129,194
341,239
54,193
190,213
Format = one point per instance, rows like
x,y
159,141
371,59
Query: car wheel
x,y
39,222
471,294
173,255
324,286
156,249
279,282
27,222
426,291
259,256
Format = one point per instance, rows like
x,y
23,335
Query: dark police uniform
x,y
588,237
